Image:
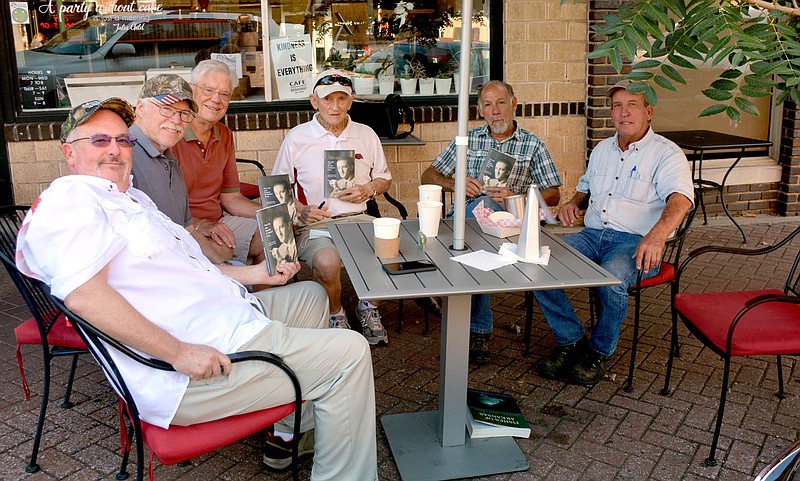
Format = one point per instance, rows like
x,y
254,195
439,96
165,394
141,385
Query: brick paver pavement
x,y
599,433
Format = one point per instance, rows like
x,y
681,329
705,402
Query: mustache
x,y
112,159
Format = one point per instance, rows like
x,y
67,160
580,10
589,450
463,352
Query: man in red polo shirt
x,y
207,158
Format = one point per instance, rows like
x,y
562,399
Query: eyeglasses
x,y
334,79
168,111
209,92
104,140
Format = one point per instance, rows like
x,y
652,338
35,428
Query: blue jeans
x,y
481,319
613,251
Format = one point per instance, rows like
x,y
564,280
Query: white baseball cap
x,y
332,80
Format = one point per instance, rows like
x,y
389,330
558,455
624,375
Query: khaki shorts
x,y
307,247
243,229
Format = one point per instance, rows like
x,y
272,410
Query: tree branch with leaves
x,y
757,43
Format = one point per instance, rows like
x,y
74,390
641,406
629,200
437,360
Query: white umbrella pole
x,y
463,116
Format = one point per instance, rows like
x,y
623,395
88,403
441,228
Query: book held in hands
x,y
493,414
277,189
340,171
496,169
275,226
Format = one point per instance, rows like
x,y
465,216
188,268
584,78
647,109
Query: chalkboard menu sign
x,y
38,86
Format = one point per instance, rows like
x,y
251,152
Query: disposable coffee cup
x,y
515,204
430,215
387,237
430,192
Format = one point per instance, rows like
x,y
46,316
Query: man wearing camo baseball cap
x,y
95,140
164,109
82,112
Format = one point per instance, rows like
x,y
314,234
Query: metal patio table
x,y
433,445
702,141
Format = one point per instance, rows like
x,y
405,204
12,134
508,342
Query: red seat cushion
x,y
179,443
772,328
61,334
249,190
665,274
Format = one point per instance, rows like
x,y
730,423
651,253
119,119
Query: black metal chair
x,y
666,275
178,443
48,327
760,322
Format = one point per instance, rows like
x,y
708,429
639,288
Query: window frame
x,y
14,114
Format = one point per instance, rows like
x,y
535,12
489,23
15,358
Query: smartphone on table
x,y
408,267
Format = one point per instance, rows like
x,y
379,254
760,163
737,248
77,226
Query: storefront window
x,y
69,52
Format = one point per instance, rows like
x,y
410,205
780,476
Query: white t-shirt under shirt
x,y
81,224
302,157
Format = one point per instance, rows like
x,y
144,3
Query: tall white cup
x,y
430,214
387,237
430,192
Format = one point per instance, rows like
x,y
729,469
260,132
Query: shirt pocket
x,y
146,236
639,187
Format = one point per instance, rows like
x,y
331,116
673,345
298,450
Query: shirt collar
x,y
648,137
144,142
189,135
318,131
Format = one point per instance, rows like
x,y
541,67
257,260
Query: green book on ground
x,y
493,414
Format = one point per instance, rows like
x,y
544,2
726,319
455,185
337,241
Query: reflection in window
x,y
384,44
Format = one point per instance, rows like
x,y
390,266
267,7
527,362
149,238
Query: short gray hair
x,y
212,65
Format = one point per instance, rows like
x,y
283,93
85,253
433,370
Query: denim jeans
x,y
481,319
613,251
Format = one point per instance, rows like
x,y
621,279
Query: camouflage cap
x,y
82,112
168,89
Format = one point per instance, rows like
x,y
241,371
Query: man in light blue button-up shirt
x,y
639,188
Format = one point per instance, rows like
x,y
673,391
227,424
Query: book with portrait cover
x,y
492,414
277,189
340,171
275,226
496,169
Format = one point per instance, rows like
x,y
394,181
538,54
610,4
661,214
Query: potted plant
x,y
363,84
413,71
385,74
443,80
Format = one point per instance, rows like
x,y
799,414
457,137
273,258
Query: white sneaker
x,y
338,321
371,325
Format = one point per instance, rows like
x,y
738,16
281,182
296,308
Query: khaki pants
x,y
334,368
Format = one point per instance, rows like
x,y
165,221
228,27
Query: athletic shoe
x,y
371,325
278,453
338,321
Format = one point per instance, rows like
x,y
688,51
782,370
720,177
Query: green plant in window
x,y
386,67
757,41
337,61
414,69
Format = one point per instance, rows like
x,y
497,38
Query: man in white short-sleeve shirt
x,y
120,263
302,157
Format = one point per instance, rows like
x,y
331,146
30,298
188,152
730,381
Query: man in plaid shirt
x,y
533,165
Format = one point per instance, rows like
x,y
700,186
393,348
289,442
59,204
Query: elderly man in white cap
x,y
302,157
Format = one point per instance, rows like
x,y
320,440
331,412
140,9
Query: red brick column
x,y
789,160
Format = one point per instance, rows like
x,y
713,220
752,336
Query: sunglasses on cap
x,y
104,140
334,79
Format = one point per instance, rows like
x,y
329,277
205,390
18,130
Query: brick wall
x,y
741,199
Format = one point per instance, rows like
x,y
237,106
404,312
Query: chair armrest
x,y
256,163
400,207
771,298
733,250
